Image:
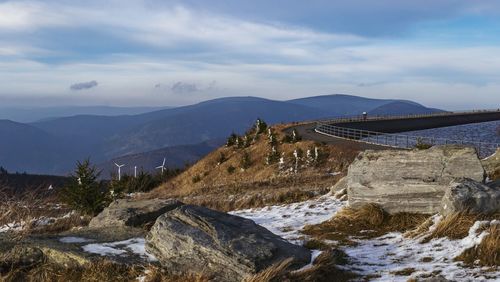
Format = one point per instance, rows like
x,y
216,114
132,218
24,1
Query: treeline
x,y
19,183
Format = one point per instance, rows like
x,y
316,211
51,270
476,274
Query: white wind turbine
x,y
162,166
119,171
135,171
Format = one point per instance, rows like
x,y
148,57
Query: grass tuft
x,y
487,253
369,221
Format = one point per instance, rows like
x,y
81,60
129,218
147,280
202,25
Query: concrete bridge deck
x,y
417,122
364,133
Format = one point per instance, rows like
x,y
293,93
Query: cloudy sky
x,y
442,53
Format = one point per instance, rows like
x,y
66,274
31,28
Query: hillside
x,y
341,104
401,108
220,181
25,148
175,156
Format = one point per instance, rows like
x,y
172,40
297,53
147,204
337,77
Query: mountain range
x,y
54,145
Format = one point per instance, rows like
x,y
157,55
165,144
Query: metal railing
x,y
484,149
357,118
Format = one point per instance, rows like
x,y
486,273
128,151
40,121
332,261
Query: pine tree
x,y
84,193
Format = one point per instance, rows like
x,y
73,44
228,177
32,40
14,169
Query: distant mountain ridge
x,y
26,114
54,145
401,108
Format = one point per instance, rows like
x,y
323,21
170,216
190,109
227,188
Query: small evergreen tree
x,y
273,156
245,161
260,126
292,138
231,140
83,193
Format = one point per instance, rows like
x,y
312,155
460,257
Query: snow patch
x,y
287,220
135,246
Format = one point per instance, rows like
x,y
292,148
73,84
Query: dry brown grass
x,y
29,209
455,226
102,270
324,268
260,184
369,221
274,273
487,253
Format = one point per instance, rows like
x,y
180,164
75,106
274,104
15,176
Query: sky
x,y
442,53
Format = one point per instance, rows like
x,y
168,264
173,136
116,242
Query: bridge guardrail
x,y
484,149
357,118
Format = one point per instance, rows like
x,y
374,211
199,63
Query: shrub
x,y
245,161
231,169
422,145
84,193
196,178
231,140
273,156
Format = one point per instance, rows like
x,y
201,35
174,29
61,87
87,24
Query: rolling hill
x,y
53,145
22,114
175,156
401,108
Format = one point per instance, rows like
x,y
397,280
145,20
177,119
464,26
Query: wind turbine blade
x,y
164,159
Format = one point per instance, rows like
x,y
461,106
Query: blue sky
x,y
441,53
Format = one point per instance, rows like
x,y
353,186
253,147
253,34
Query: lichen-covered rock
x,y
410,181
469,196
125,212
226,247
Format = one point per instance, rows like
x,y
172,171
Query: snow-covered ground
x,y
36,222
380,256
287,220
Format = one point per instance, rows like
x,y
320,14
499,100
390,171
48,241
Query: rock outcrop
x,y
125,212
339,186
469,196
410,181
492,165
227,247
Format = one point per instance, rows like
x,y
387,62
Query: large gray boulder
x,y
125,212
469,196
410,181
226,247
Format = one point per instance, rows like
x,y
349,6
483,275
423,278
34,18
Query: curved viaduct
x,y
418,122
389,125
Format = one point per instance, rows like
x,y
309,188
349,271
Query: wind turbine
x,y
162,167
135,171
119,171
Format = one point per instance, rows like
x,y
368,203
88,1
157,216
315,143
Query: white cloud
x,y
245,57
